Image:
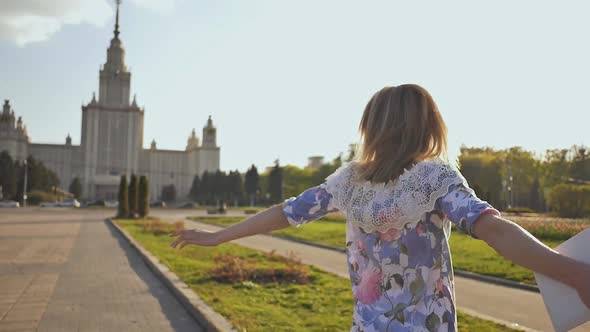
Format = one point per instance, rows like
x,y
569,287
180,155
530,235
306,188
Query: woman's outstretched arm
x,y
266,221
518,245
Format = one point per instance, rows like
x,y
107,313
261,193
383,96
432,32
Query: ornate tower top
x,y
117,20
153,145
115,79
116,52
209,134
68,139
6,107
193,141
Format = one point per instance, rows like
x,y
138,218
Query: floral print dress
x,y
397,241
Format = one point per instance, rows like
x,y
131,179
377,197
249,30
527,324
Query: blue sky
x,y
289,79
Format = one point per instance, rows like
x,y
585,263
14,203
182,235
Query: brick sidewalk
x,y
78,275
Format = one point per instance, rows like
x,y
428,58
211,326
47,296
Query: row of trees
x,y
12,175
134,199
517,178
253,188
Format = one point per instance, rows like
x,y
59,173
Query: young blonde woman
x,y
400,196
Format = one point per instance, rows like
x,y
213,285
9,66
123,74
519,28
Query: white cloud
x,y
159,6
27,21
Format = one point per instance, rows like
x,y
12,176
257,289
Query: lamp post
x,y
25,185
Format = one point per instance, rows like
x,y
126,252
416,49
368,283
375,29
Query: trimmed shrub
x,y
133,189
143,204
570,200
123,209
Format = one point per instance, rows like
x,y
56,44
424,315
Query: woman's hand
x,y
194,236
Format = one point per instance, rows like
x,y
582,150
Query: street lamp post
x,y
25,185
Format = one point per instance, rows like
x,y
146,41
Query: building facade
x,y
111,143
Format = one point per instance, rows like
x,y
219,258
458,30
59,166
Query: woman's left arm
x,y
518,245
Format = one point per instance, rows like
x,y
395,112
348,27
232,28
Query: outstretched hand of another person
x,y
194,236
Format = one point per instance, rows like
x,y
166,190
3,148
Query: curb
x,y
209,319
460,273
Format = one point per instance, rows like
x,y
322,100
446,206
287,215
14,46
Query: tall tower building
x,y
112,129
111,142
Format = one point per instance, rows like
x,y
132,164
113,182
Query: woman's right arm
x,y
518,245
480,220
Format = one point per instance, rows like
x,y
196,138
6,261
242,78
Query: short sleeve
x,y
462,207
310,205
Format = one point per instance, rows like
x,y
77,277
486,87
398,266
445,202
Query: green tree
x,y
195,189
275,184
143,206
133,196
580,168
569,200
76,188
39,177
123,210
219,188
7,176
555,167
205,192
169,193
251,183
235,186
535,195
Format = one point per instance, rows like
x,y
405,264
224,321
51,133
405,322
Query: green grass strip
x,y
323,305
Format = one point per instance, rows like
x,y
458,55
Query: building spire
x,y
117,20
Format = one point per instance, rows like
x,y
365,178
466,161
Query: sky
x,y
290,79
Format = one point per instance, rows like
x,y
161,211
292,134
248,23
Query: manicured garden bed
x,y
323,303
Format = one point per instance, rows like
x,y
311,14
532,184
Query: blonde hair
x,y
401,125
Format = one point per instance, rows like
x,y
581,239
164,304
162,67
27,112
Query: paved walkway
x,y
64,270
479,298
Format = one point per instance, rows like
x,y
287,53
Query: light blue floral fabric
x,y
402,280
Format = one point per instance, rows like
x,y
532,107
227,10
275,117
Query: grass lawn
x,y
467,254
325,304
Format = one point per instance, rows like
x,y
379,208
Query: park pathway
x,y
67,270
478,298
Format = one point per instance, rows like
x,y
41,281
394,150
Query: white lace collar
x,y
382,206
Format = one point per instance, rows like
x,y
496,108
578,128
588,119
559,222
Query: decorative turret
x,y
7,116
134,103
209,135
68,140
192,142
153,145
93,102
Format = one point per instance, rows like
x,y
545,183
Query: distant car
x,y
9,204
95,203
187,205
69,203
48,204
158,204
111,204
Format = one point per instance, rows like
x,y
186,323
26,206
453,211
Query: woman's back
x,y
397,241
